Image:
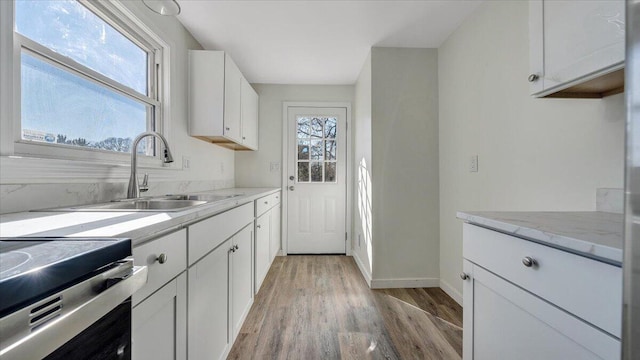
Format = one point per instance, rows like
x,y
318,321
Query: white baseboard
x,y
363,269
405,283
451,291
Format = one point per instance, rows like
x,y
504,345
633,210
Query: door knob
x,y
292,177
291,188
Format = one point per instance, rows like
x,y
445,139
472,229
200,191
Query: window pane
x,y
316,127
330,150
303,172
304,127
303,149
329,172
316,150
60,107
330,128
316,172
72,30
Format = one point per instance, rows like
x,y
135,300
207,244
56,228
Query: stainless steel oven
x,y
67,298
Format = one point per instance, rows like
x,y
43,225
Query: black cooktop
x,y
34,268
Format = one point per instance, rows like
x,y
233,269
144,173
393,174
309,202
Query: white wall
x,y
362,217
252,168
534,154
211,165
404,128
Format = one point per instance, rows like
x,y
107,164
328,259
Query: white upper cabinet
x,y
223,107
576,48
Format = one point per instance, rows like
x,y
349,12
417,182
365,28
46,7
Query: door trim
x,y
285,162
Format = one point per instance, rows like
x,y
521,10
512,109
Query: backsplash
x,y
610,200
25,197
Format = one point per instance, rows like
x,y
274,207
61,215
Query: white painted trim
x,y
451,291
348,201
405,283
363,269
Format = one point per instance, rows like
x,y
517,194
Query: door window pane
x,y
330,150
316,127
316,150
303,149
304,127
329,172
72,30
303,171
330,128
316,172
58,106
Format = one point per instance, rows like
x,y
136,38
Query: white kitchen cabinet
x,y
159,323
263,253
241,278
576,48
267,242
525,300
249,115
209,336
223,107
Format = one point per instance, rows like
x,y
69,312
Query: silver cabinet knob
x,y
259,226
529,261
291,188
162,258
533,77
244,138
464,276
227,128
235,247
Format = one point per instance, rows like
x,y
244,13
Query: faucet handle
x,y
144,187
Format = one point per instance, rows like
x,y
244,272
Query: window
x,y
316,156
89,79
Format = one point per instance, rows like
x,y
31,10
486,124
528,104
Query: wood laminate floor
x,y
320,307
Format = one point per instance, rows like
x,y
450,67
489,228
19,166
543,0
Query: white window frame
x,y
66,157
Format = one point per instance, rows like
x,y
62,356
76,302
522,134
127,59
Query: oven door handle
x,y
83,304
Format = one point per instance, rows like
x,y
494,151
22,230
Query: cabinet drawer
x,y
206,235
267,202
589,289
173,246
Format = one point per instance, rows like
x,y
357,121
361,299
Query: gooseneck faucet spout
x,y
134,190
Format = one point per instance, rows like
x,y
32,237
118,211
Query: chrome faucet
x,y
134,190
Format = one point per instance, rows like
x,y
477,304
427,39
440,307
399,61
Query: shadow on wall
x,y
364,207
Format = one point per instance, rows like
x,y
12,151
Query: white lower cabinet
x,y
209,336
274,245
263,252
537,309
159,324
220,294
241,278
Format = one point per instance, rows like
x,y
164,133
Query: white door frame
x,y
285,163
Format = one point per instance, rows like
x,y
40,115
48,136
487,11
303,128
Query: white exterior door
x,y
316,180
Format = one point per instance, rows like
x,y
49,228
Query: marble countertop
x,y
139,226
593,234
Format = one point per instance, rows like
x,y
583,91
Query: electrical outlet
x,y
473,163
186,163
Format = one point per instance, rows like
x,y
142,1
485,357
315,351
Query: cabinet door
x,y
571,41
241,278
160,323
274,246
209,336
232,81
504,321
263,260
249,104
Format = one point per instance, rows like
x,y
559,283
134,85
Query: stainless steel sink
x,y
137,205
202,197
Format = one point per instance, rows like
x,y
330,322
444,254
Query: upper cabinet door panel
x,y
249,101
232,89
574,41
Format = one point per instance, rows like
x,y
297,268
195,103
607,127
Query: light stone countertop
x,y
598,235
139,226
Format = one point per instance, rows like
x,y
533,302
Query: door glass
x,y
317,153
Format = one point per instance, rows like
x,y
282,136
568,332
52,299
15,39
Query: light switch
x,y
473,163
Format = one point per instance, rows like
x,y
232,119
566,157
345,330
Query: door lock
x,y
292,177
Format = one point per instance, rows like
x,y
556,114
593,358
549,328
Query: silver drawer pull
x,y
529,261
162,258
464,276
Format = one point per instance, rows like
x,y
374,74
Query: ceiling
x,y
317,41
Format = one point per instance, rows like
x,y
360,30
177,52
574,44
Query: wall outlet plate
x,y
473,163
186,163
